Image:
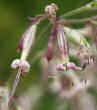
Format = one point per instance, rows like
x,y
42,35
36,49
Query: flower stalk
x,y
88,7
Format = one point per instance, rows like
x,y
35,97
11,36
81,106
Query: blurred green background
x,y
13,22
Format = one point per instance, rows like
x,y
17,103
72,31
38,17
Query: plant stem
x,y
71,13
79,10
14,87
88,19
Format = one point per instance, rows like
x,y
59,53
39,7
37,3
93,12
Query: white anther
x,y
21,64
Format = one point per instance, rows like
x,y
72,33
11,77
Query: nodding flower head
x,y
50,46
22,65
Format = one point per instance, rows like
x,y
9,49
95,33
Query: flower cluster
x,y
62,35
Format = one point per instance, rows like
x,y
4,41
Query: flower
x,y
64,50
22,65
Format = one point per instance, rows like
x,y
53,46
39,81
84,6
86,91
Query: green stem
x,y
79,10
79,20
71,13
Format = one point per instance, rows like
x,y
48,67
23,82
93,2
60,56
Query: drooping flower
x,y
62,42
22,65
64,51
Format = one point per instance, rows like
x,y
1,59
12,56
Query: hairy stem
x,y
14,87
79,10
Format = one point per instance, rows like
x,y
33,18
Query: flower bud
x,y
66,66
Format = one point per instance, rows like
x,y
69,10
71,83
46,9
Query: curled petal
x,y
71,65
21,64
15,64
60,67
